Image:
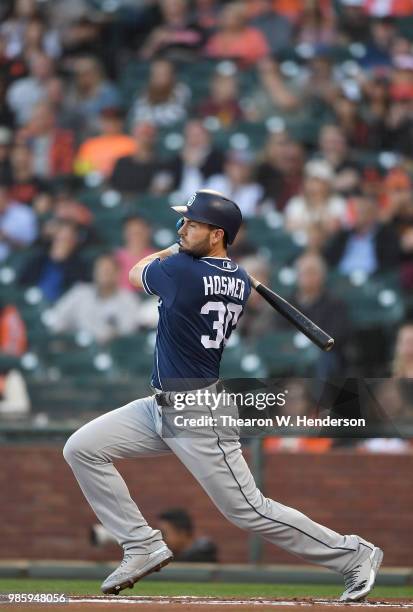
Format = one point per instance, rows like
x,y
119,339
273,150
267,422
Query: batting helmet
x,y
207,206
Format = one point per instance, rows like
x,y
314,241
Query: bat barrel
x,y
297,318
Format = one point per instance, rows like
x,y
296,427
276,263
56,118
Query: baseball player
x,y
202,295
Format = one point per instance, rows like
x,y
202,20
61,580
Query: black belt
x,y
166,398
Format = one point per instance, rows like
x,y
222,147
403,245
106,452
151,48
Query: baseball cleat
x,y
135,567
360,579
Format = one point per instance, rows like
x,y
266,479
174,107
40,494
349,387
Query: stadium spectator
x,y
320,84
14,397
376,108
177,37
242,247
82,36
100,153
353,22
393,404
399,120
259,317
318,204
56,268
237,182
25,184
137,245
397,193
398,203
13,335
165,100
136,173
26,92
52,147
6,136
101,308
67,116
333,147
348,116
318,304
38,37
7,117
223,100
206,13
378,47
316,26
275,96
18,227
369,246
90,92
276,28
235,39
197,161
280,173
403,352
63,206
13,28
300,403
178,532
10,68
395,8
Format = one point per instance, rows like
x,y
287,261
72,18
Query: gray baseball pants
x,y
215,460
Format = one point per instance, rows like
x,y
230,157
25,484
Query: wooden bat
x,y
294,316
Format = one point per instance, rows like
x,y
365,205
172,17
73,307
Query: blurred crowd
x,y
90,88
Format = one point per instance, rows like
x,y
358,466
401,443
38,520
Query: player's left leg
x,y
129,431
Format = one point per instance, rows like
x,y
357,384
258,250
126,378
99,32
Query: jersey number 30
x,y
227,314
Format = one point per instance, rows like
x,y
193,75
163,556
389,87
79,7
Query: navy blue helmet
x,y
207,206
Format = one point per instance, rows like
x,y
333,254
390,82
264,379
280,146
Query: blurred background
x,y
111,111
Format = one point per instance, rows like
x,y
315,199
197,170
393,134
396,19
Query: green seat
x,y
156,210
239,362
134,354
8,362
284,353
84,362
109,226
277,242
374,303
92,198
405,27
17,260
256,133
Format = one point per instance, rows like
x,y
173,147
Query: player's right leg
x,y
128,431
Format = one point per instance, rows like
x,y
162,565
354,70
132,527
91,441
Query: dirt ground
x,y
210,604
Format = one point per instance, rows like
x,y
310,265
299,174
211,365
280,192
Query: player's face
x,y
195,238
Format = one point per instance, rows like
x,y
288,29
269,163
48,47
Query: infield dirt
x,y
213,604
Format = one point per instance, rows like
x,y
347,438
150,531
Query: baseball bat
x,y
294,316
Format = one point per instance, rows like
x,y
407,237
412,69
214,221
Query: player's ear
x,y
218,235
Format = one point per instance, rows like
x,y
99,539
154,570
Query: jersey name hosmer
x,y
224,285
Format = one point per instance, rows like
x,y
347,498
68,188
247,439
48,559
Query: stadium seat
x,y
376,301
239,362
287,352
156,210
277,242
133,354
